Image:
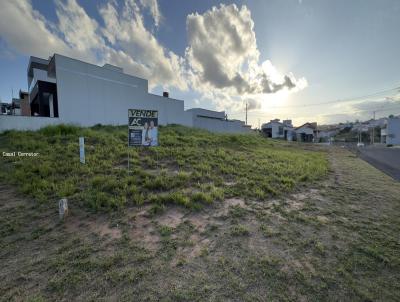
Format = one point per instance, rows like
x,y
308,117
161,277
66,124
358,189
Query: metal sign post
x,y
128,152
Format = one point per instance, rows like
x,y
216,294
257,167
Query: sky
x,y
305,60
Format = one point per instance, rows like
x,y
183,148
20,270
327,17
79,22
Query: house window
x,y
280,131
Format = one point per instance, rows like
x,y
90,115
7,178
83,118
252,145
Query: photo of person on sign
x,y
145,135
153,134
149,134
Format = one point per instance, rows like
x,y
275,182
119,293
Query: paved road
x,y
383,158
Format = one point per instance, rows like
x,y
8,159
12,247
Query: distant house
x,y
21,105
24,103
5,108
390,134
16,107
327,135
277,129
307,132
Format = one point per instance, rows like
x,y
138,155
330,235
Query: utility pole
x,y
246,112
373,130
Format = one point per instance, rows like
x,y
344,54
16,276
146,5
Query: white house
x,y
66,90
307,132
390,134
277,129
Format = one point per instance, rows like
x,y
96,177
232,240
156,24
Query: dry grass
x,y
336,240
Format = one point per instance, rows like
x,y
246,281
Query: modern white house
x,y
70,91
277,129
390,134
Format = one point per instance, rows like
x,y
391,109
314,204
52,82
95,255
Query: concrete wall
x,y
393,131
15,122
90,94
221,126
208,113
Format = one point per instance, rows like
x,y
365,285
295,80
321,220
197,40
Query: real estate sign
x,y
142,127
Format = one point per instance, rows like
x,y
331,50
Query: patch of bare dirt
x,y
294,204
234,202
171,218
9,198
143,231
292,265
297,201
200,221
99,226
196,247
227,204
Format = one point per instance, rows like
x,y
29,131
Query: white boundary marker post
x,y
82,150
63,208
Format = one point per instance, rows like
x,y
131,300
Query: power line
x,y
330,102
347,100
356,111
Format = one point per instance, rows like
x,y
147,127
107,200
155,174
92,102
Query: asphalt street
x,y
383,158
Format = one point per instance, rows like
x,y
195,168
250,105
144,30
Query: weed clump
x,y
239,230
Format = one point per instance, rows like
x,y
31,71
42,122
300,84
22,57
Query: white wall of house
x,y
40,75
206,112
393,131
274,129
19,122
214,121
305,130
90,94
221,126
278,130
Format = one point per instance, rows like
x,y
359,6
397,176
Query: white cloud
x,y
125,29
223,56
152,6
27,31
221,61
76,34
79,30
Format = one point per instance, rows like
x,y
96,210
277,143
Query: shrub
x,y
202,197
239,230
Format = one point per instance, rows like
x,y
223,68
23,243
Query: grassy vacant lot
x,y
192,168
202,218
